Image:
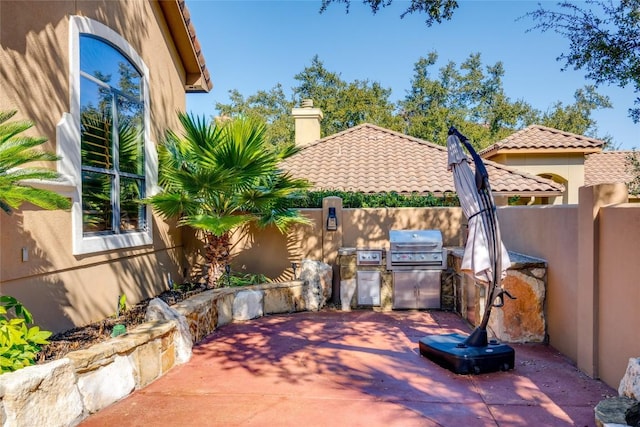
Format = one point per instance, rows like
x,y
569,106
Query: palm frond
x,y
218,178
17,151
172,205
217,225
15,195
282,219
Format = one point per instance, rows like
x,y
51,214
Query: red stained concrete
x,y
359,368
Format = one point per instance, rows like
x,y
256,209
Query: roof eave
x,y
197,78
495,152
528,193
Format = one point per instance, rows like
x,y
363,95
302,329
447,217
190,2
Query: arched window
x,y
111,140
105,141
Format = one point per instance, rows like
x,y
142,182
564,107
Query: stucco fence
x,y
66,391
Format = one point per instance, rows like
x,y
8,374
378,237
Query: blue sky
x,y
253,45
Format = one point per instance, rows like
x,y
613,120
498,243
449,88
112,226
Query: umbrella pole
x,y
473,354
478,338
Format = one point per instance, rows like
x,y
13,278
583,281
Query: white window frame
x,y
68,143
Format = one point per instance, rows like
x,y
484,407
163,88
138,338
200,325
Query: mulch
x,y
85,336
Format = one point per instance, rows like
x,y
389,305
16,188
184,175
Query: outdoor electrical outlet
x,y
25,254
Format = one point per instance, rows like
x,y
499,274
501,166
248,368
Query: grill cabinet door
x,y
416,289
368,287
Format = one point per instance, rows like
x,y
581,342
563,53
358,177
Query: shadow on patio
x,y
354,368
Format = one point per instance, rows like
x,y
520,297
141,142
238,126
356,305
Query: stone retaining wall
x,y
65,391
520,320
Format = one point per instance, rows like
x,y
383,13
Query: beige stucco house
x,y
566,158
102,80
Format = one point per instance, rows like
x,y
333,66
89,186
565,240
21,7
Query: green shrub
x,y
19,343
351,199
242,279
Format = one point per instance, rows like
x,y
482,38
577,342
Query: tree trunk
x,y
217,256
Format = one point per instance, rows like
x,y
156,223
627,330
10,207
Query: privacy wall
x,y
591,250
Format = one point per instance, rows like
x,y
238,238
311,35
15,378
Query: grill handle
x,y
400,246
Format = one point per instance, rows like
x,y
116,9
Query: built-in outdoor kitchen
x,y
415,271
405,275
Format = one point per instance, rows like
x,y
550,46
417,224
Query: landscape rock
x,y
317,278
247,305
283,300
522,319
611,412
630,383
107,385
160,310
632,415
41,395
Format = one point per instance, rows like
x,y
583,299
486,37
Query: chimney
x,y
307,123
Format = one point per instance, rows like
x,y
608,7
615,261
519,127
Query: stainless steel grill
x,y
416,250
416,259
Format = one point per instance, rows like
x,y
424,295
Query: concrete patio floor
x,y
359,368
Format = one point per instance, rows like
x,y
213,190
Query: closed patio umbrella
x,y
485,259
485,256
477,205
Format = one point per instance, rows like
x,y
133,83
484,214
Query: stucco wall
x,y
268,252
619,290
549,232
59,288
569,166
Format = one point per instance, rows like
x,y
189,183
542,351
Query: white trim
x,y
68,141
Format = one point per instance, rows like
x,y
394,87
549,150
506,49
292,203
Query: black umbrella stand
x,y
475,354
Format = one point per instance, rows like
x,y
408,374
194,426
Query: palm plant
x,y
219,177
15,152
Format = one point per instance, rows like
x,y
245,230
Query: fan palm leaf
x,y
15,152
218,177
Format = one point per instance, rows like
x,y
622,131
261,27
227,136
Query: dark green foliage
x,y
350,199
345,104
469,95
242,279
436,10
472,96
604,40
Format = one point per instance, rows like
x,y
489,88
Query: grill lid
x,y
416,249
411,240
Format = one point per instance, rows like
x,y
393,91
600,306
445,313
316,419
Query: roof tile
x,y
372,159
536,137
609,167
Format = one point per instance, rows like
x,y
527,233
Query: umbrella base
x,y
450,352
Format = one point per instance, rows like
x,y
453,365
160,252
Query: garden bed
x,y
84,337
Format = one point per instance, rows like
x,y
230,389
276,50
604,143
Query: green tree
x,y
471,97
217,177
270,106
17,151
605,40
576,118
468,96
345,104
436,10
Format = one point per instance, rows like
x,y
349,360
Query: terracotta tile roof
x,y
372,159
608,167
543,139
187,44
208,84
